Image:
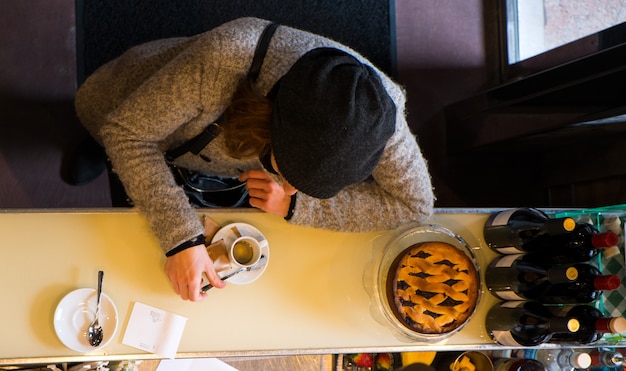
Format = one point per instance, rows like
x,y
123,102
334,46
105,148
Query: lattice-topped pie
x,y
432,287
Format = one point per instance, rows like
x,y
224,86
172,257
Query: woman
x,y
321,138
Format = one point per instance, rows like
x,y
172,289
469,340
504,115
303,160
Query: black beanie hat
x,y
331,120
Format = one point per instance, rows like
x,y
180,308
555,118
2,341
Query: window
x,y
536,26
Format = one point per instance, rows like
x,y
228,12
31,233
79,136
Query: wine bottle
x,y
510,277
593,325
584,282
555,359
523,230
580,245
517,364
526,323
586,288
606,358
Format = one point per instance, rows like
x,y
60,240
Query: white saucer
x,y
226,233
74,314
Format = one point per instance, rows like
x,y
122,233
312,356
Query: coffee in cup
x,y
245,251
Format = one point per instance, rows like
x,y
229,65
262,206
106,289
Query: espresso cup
x,y
245,251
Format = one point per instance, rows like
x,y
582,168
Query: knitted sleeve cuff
x,y
198,240
292,207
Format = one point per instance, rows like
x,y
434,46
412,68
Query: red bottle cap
x,y
615,325
608,282
595,357
605,239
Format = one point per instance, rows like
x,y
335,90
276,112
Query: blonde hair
x,y
246,122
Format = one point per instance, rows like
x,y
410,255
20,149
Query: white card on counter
x,y
194,364
154,330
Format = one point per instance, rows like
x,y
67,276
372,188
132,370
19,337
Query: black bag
x,y
210,190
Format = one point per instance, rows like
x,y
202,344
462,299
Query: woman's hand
x,y
266,193
185,270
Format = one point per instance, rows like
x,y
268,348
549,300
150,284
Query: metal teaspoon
x,y
94,332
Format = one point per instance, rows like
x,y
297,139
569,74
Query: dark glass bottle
x,y
586,288
510,277
526,323
517,364
593,325
564,359
580,245
523,230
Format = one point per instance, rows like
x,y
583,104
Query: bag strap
x,y
197,143
261,51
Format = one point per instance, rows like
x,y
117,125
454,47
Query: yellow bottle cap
x,y
569,224
571,273
573,325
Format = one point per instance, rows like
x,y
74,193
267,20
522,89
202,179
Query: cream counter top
x,y
310,299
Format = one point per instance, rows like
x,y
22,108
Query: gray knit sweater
x,y
162,93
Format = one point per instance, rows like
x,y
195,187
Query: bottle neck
x,y
565,325
605,239
579,360
606,358
615,325
608,282
562,274
603,324
559,226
